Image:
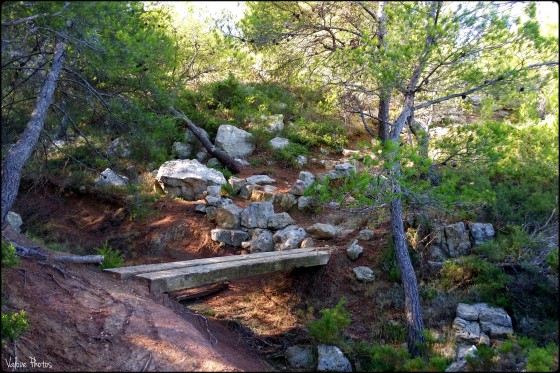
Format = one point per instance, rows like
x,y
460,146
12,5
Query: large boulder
x,y
469,331
261,241
452,241
231,237
187,178
257,214
481,232
15,221
321,231
235,141
288,238
110,177
331,359
227,216
300,357
279,143
493,322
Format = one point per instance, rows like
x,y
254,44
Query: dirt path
x,y
82,319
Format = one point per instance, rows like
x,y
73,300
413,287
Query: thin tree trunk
x,y
221,155
20,151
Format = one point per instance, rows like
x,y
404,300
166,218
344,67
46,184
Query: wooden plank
x,y
124,273
190,277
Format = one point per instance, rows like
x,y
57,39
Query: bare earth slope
x,y
82,319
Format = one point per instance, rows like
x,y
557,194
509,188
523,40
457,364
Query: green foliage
x,y
387,359
552,259
14,324
363,187
513,246
9,256
329,328
486,281
112,258
390,331
313,134
289,153
543,359
389,262
483,358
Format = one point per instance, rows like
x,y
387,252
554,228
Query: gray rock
x,y
261,241
229,236
299,187
354,250
331,359
213,162
300,357
307,177
301,160
467,312
235,141
261,194
280,220
211,213
236,184
214,191
344,169
366,235
182,150
246,190
279,143
481,232
217,201
460,364
201,155
200,207
468,331
288,238
321,231
495,322
191,139
273,123
242,162
304,203
15,221
260,179
110,177
227,216
284,201
187,178
256,215
364,274
457,240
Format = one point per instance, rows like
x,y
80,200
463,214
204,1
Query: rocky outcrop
x,y
321,231
288,238
364,274
111,178
15,221
257,214
300,357
481,232
235,141
187,178
478,323
354,250
231,237
331,359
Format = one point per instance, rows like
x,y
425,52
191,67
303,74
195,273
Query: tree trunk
x,y
221,155
20,151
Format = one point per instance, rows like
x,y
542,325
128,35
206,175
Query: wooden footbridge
x,y
188,274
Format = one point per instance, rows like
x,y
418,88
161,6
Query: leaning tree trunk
x,y
414,322
21,150
221,155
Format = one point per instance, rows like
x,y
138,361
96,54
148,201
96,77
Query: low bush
x,y
328,329
112,258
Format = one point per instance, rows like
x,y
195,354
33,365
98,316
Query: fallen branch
x,y
221,155
32,252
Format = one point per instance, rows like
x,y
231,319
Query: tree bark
x,y
221,155
20,151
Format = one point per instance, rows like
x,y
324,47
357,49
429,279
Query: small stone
x,y
364,274
354,250
366,235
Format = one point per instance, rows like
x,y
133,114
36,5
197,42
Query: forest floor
x,y
81,318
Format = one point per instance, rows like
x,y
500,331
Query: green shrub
x,y
9,256
386,358
112,257
483,358
543,359
552,260
389,262
311,134
14,324
290,153
329,328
